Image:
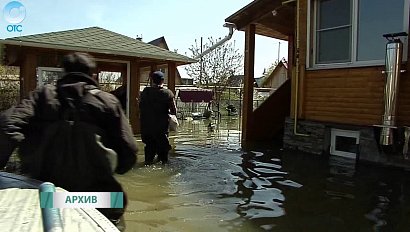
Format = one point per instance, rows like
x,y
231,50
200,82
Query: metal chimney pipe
x,y
394,50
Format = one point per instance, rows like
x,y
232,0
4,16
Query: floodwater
x,y
212,185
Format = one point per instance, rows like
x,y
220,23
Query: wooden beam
x,y
248,84
291,56
283,21
302,31
302,55
266,31
277,27
172,68
111,66
49,59
291,71
408,53
302,91
255,12
134,96
28,81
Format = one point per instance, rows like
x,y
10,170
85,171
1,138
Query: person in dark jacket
x,y
156,103
26,126
121,94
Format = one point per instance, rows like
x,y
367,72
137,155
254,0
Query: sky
x,y
179,21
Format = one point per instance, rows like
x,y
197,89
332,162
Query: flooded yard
x,y
212,185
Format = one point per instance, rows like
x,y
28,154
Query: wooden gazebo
x,y
113,52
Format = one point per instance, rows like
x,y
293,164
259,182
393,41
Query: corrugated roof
x,y
98,40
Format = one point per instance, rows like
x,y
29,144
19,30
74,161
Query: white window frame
x,y
311,41
343,133
128,63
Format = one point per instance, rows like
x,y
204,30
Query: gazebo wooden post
x,y
28,75
134,94
248,84
171,76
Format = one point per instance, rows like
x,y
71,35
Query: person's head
x,y
157,77
79,62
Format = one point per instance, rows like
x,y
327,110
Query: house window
x,y
333,30
350,31
344,143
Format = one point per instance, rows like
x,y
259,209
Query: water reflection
x,y
212,185
257,187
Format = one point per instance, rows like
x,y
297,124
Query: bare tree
x,y
216,67
109,81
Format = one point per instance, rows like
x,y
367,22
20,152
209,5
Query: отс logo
x,y
14,13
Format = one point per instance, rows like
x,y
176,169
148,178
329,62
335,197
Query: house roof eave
x,y
259,12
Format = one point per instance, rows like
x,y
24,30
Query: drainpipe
x,y
297,74
230,26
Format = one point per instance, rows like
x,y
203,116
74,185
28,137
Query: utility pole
x,y
200,63
278,52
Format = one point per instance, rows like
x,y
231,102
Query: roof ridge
x,y
54,32
139,41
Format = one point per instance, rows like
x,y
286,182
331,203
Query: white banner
x,y
82,200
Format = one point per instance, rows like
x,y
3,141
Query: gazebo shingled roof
x,y
98,40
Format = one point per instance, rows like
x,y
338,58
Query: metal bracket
x,y
401,71
385,126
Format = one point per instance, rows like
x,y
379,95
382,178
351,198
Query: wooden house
x,y
277,77
162,43
42,53
334,100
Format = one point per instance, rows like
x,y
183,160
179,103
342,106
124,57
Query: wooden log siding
x,y
403,117
351,96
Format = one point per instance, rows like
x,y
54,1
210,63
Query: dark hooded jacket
x,y
23,125
155,105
